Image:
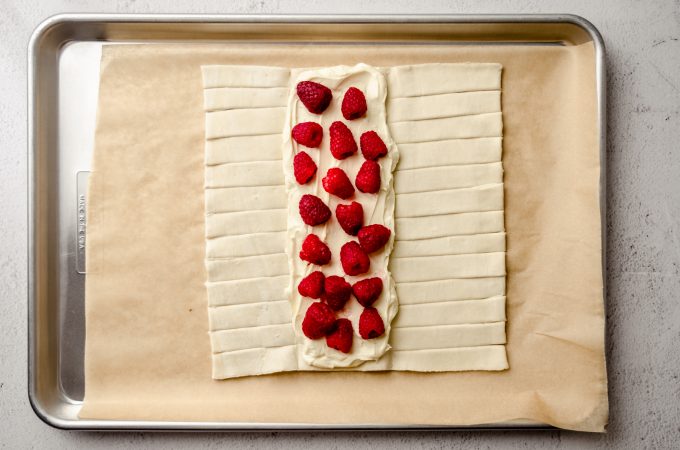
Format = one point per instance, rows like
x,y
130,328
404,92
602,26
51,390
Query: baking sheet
x,y
147,348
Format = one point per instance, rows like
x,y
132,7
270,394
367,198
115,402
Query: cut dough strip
x,y
245,76
452,201
259,361
414,228
243,122
451,245
434,268
491,357
447,177
245,222
250,315
450,290
251,337
242,268
450,152
243,149
239,198
244,174
245,245
219,99
448,336
460,312
443,105
248,290
463,127
431,79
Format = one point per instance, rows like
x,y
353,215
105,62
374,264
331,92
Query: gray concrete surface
x,y
643,43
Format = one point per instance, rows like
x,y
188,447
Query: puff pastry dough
x,y
448,260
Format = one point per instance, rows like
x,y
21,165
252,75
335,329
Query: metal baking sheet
x,y
64,55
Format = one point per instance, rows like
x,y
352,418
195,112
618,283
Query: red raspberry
x,y
368,178
319,320
342,141
371,324
367,291
312,285
304,167
314,96
372,147
336,292
354,259
308,134
374,237
353,104
313,210
315,251
337,182
350,217
340,338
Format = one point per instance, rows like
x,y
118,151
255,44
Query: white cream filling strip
x,y
448,259
378,209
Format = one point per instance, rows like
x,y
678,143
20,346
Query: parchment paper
x,y
147,352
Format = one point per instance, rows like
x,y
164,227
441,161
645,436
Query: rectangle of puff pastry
x,y
448,260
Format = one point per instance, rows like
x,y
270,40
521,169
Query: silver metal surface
x,y
64,55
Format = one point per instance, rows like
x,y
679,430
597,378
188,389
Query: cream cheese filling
x,y
378,208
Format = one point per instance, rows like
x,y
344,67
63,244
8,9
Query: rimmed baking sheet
x,y
553,139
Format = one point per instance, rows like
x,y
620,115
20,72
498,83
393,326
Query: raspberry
x,y
336,292
371,324
319,320
308,134
340,338
315,251
367,291
314,96
350,217
372,147
368,178
337,182
342,141
353,104
304,167
373,237
354,259
312,285
313,210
